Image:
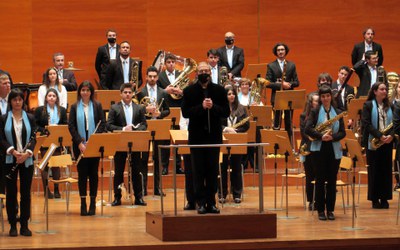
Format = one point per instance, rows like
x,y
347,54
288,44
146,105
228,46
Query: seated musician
x,y
127,116
231,125
325,150
51,81
156,108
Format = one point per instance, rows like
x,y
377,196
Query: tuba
x,y
223,72
183,79
393,80
258,90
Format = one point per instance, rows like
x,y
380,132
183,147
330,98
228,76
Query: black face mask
x,y
229,41
203,78
111,39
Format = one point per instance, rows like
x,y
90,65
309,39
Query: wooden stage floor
x,y
126,228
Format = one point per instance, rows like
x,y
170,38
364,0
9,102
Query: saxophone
x,y
376,142
243,121
223,72
134,79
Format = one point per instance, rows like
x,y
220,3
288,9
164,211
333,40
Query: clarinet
x,y
14,168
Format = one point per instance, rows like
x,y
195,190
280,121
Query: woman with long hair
x,y
51,81
237,114
376,116
51,113
17,139
83,117
326,152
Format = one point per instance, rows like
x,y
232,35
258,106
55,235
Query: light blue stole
x,y
375,121
80,117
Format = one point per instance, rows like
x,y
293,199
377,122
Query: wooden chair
x,y
2,198
63,161
345,163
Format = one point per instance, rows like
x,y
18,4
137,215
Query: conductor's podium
x,y
232,223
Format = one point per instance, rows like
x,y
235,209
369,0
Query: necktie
x,y
60,75
126,71
3,106
128,115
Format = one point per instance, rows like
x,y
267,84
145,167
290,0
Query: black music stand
x,y
42,164
102,145
355,151
133,141
159,129
290,100
270,136
286,148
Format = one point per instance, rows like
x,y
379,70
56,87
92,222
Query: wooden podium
x,y
232,223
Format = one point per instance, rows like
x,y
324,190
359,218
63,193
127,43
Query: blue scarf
x,y
316,145
375,120
9,136
81,120
54,118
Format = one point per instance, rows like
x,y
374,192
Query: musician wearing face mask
x,y
205,104
107,52
231,56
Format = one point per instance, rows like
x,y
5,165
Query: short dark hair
x,y
275,48
88,84
324,89
346,68
126,85
213,52
170,57
111,30
151,69
14,94
125,42
325,76
369,53
368,28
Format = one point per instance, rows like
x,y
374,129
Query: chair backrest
x,y
346,163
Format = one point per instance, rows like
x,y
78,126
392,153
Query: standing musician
x,y
212,60
326,151
83,117
205,104
121,70
283,76
312,103
5,88
17,138
156,108
237,114
127,116
376,117
231,56
107,53
51,113
368,44
395,101
343,89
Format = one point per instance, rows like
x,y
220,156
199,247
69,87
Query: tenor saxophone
x,y
243,121
134,80
376,142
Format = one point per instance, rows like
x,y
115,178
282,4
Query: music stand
x,y
286,148
253,70
355,151
238,138
252,138
159,129
174,115
270,136
262,115
354,110
290,100
42,165
102,145
133,141
107,97
71,99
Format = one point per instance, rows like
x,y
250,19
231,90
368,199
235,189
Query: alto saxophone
x,y
243,121
376,142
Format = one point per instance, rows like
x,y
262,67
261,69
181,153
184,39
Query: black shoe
x,y
57,194
237,200
201,210
384,204
140,202
50,195
13,231
331,216
84,210
25,231
190,206
376,205
212,210
157,193
164,171
92,209
321,216
180,171
116,202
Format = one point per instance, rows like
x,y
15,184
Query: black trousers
x,y
380,178
205,174
189,186
310,176
235,177
156,165
2,178
326,168
88,168
135,165
25,182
